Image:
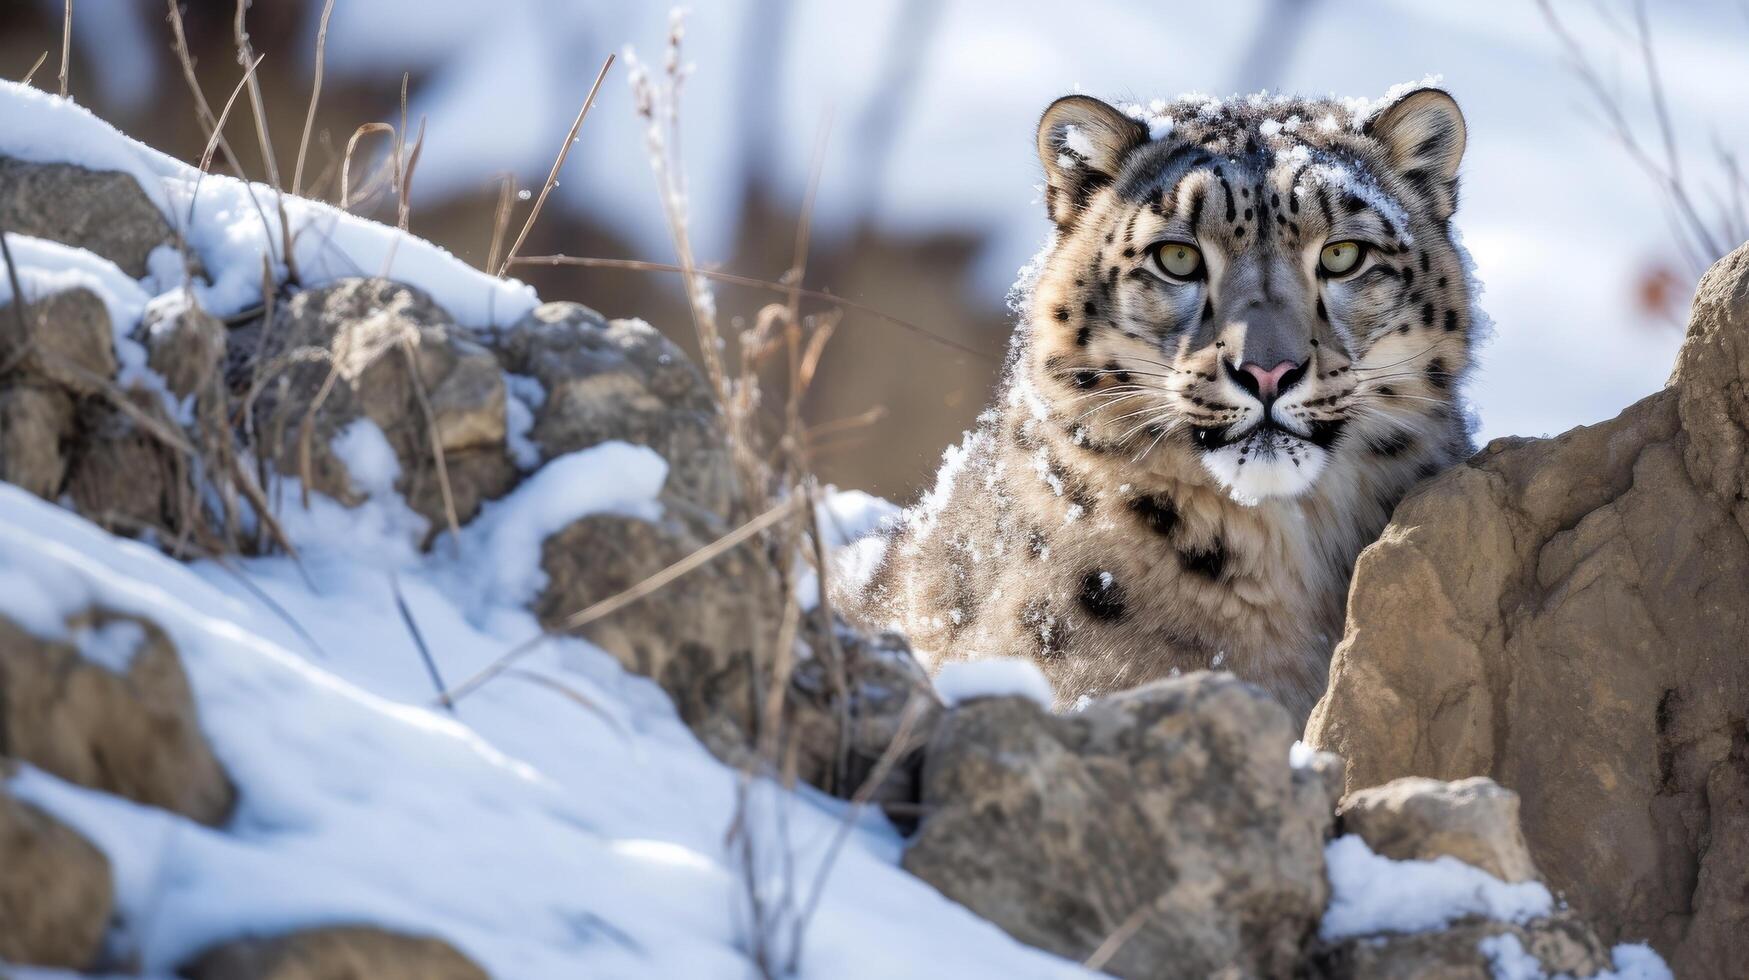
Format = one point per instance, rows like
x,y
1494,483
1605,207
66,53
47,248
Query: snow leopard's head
x,y
1268,283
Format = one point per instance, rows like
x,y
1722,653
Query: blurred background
x,y
1601,175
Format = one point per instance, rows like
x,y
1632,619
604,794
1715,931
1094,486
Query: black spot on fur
x,y
1157,511
1086,379
1323,314
1323,433
1386,391
1427,314
1089,309
1391,445
1437,375
1247,210
1425,263
1451,323
1102,597
1061,313
1207,562
1208,309
1408,277
1116,372
1082,335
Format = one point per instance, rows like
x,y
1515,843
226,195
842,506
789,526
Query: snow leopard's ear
x,y
1423,136
1082,142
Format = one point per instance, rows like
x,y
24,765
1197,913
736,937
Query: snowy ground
x,y
561,821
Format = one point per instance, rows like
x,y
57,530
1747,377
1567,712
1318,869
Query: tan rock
x,y
184,344
1417,819
343,349
36,422
111,711
1567,617
55,890
1161,828
121,476
701,638
622,380
101,211
335,953
65,337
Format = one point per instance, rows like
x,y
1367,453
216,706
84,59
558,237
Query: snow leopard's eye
x,y
1340,258
1177,261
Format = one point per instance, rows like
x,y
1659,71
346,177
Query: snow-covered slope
x,y
561,822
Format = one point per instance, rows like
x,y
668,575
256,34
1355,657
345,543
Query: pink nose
x,y
1269,381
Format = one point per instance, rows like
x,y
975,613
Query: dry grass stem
x,y
315,96
346,160
558,163
270,162
640,265
66,44
38,63
618,601
501,220
419,642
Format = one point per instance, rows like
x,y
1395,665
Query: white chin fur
x,y
1274,466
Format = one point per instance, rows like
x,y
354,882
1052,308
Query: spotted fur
x,y
1131,507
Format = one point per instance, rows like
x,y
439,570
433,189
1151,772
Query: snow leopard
x,y
1243,344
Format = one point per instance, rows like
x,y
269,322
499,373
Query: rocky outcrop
x,y
1567,616
110,710
334,953
104,212
1160,832
55,892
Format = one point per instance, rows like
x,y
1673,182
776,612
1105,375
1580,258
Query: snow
x,y
231,225
112,645
967,680
1370,894
542,839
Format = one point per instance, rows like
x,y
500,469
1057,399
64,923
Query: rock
x,y
342,348
184,344
1566,616
1467,950
66,337
335,953
121,477
887,704
101,211
1416,819
622,380
1161,828
111,711
36,423
704,639
55,892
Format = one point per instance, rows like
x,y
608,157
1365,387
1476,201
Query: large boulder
x,y
1567,617
36,425
1161,830
55,890
621,380
383,351
102,211
110,709
334,953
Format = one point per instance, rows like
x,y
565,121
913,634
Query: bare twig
x,y
315,96
436,439
245,54
638,265
66,43
419,642
500,220
212,143
346,161
38,63
553,176
1125,931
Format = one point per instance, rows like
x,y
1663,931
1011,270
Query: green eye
x,y
1340,258
1178,260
